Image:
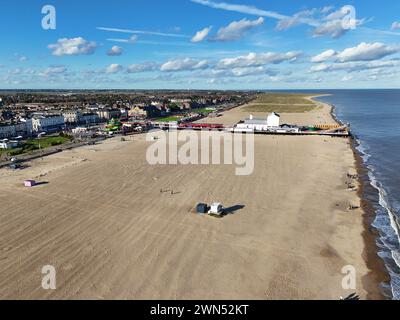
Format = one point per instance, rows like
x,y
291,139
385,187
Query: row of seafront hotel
x,y
53,122
42,122
54,113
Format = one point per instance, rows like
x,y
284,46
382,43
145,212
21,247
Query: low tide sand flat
x,y
111,234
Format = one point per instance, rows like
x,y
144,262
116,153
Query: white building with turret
x,y
270,123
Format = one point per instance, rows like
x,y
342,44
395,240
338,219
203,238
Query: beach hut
x,y
30,183
216,208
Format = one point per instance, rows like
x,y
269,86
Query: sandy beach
x,y
102,222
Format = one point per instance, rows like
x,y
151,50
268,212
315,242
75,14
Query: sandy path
x,y
103,223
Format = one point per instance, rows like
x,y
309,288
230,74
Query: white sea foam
x,y
385,222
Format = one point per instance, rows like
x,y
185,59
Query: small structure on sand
x,y
216,209
29,183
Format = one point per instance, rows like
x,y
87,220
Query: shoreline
x,y
378,274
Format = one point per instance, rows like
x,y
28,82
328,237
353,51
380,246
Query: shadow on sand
x,y
41,183
233,209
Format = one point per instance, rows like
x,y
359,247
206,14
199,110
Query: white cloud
x,y
384,73
131,40
240,72
351,59
15,71
201,35
337,23
320,67
347,78
237,29
356,66
114,68
326,9
21,58
240,8
324,56
332,28
257,59
73,46
360,66
143,67
325,22
395,25
184,65
297,19
244,72
336,15
161,34
114,51
366,52
54,70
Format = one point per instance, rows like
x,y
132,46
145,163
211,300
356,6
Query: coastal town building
x,y
8,144
108,114
48,123
145,112
7,131
28,126
14,130
273,120
270,123
123,112
77,117
71,116
137,112
88,118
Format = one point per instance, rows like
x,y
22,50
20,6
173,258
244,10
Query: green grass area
x,y
281,103
204,110
36,144
169,119
46,142
4,151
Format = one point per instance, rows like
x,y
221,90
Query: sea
x,y
374,118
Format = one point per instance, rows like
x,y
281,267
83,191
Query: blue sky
x,y
201,44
